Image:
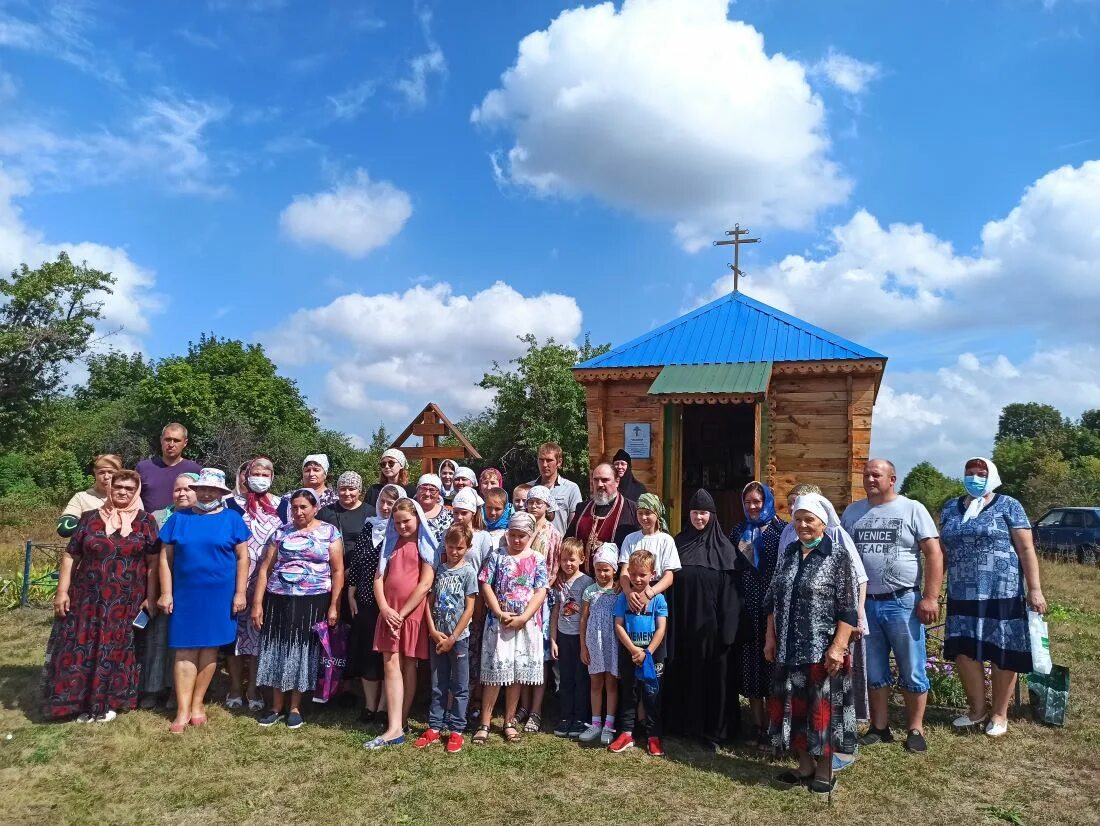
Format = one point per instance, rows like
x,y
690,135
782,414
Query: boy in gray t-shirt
x,y
451,606
574,700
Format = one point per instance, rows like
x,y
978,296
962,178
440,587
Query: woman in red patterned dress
x,y
107,572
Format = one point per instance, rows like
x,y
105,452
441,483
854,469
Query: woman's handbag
x,y
1048,695
334,659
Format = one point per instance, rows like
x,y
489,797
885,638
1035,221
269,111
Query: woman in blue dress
x,y
204,574
988,547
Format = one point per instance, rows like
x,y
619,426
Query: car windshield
x,y
1052,518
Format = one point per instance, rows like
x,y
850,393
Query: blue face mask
x,y
975,485
208,506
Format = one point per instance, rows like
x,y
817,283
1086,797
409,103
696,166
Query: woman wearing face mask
x,y
204,578
157,659
989,554
260,511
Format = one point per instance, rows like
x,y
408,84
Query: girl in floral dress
x,y
514,587
599,648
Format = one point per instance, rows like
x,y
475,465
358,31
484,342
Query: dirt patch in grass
x,y
133,771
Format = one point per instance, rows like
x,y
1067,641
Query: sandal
x,y
481,736
512,737
533,724
521,715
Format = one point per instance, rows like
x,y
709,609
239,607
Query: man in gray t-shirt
x,y
891,532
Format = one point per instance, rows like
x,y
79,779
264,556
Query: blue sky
x,y
386,195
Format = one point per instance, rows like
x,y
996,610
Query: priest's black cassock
x,y
699,692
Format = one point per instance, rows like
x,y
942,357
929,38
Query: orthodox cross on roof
x,y
736,241
429,425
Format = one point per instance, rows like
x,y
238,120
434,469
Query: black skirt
x,y
363,661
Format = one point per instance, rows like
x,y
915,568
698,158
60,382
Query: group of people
x,y
641,632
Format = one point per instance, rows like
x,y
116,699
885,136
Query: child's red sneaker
x,y
621,743
654,747
426,739
455,743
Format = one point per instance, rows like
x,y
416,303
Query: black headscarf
x,y
629,487
708,548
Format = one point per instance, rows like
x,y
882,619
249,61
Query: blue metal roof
x,y
732,330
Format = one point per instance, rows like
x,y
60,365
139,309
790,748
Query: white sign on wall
x,y
636,439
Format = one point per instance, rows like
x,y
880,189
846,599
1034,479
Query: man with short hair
x,y
607,517
566,494
158,473
891,532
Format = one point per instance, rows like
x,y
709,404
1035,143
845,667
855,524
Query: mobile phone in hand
x,y
142,619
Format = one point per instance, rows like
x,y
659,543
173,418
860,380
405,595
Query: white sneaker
x,y
85,718
966,721
108,717
590,734
996,729
607,736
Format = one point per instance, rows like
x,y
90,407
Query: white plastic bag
x,y
1040,642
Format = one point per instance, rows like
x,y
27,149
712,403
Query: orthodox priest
x,y
607,517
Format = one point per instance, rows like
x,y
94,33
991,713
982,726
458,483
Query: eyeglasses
x,y
388,463
121,489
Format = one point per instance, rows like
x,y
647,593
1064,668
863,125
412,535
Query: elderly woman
x,y
107,571
349,513
757,541
393,469
811,610
314,475
429,496
203,573
156,658
700,695
363,661
298,585
260,511
94,497
987,541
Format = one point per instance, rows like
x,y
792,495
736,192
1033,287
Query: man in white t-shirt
x,y
892,532
566,494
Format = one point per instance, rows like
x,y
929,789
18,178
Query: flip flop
x,y
198,721
177,728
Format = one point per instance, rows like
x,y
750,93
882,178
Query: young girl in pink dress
x,y
406,570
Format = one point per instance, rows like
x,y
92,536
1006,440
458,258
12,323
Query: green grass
x,y
133,771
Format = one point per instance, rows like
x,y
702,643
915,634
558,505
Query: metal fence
x,y
38,555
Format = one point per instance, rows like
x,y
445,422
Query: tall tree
x,y
537,401
1027,420
930,487
47,318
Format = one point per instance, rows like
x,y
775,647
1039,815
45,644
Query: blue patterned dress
x,y
986,611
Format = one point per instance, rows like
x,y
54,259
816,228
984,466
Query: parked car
x,y
1069,534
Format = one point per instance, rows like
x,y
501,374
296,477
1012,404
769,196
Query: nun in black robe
x,y
699,692
629,487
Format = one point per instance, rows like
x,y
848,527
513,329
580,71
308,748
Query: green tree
x,y
1028,420
112,376
47,318
537,401
930,487
1090,420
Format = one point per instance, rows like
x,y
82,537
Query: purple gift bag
x,y
334,659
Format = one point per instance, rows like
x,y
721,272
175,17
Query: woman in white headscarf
x,y
987,543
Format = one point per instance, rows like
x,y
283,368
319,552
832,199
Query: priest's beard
x,y
602,499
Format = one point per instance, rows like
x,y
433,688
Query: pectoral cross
x,y
736,243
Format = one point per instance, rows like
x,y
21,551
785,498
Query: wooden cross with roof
x,y
429,425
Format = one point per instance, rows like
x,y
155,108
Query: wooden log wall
x,y
610,405
819,433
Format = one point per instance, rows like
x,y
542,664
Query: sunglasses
x,y
388,463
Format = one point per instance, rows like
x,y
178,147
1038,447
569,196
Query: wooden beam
x,y
441,453
436,429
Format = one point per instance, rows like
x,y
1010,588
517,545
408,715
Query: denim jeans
x,y
450,675
574,699
895,626
633,692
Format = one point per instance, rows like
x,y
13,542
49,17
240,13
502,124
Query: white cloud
x,y
670,110
370,369
347,105
951,414
846,72
8,87
355,217
165,139
414,87
60,30
1036,270
133,300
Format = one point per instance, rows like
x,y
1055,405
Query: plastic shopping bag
x,y
1048,695
334,659
1040,642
